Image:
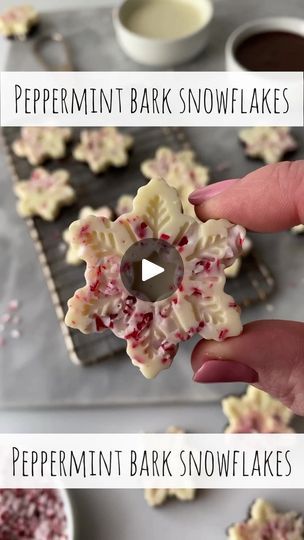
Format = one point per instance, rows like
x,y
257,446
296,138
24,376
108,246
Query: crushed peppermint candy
x,y
32,514
10,323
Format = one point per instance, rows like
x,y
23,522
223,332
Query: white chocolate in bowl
x,y
165,19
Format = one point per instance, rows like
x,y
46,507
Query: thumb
x,y
266,200
268,354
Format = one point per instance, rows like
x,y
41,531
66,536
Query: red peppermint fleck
x,y
240,241
183,241
207,266
196,291
129,305
164,236
84,230
94,286
145,321
141,230
223,333
99,323
141,325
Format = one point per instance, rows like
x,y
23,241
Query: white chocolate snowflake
x,y
265,523
233,271
72,254
180,170
256,412
154,329
103,148
38,144
158,496
124,205
268,143
44,193
298,229
18,21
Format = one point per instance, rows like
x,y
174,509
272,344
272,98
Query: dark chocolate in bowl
x,y
272,50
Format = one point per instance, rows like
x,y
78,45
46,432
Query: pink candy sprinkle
x,y
6,317
26,514
13,305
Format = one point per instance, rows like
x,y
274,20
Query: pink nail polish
x,y
216,371
203,194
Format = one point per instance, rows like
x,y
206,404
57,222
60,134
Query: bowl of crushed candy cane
x,y
36,514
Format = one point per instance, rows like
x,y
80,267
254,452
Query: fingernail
x,y
217,371
203,194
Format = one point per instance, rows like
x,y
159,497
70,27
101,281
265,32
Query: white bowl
x,y
161,52
287,24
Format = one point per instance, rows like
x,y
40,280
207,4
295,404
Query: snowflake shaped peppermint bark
x,y
256,412
103,148
44,193
154,330
266,523
268,143
38,144
73,252
18,21
180,170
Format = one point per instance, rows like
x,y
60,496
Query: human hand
x,y
268,354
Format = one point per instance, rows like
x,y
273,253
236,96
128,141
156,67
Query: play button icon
x,y
151,270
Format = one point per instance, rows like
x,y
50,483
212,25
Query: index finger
x,y
268,199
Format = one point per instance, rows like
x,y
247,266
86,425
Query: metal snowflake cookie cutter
x,y
256,412
153,330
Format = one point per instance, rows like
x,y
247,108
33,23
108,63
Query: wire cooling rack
x,y
254,283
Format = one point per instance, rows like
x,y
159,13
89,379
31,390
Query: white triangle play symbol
x,y
150,270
